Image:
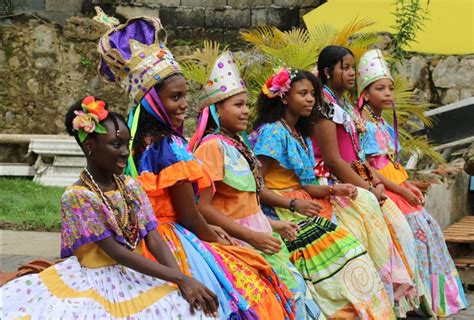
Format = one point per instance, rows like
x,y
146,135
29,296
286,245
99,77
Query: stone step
x,y
55,180
16,170
73,161
55,147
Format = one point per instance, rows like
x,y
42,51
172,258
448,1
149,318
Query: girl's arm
x,y
326,134
182,198
259,240
193,291
270,198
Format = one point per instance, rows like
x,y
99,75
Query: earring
x,y
329,77
89,153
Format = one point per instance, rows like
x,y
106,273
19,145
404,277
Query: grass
x,y
25,205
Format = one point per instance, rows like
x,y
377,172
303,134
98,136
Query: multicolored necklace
x,y
379,121
295,134
128,221
355,128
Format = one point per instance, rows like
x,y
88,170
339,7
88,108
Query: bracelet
x,y
292,206
331,190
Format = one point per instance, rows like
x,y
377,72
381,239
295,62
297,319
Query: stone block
x,y
249,3
282,18
297,3
63,5
450,96
446,74
30,5
228,18
204,3
57,16
466,93
82,28
161,3
182,17
130,12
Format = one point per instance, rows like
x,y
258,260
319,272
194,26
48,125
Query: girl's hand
x,y
199,296
265,242
381,197
410,197
345,190
417,193
309,208
288,230
223,237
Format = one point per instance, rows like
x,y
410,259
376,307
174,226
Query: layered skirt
x,y
343,278
69,291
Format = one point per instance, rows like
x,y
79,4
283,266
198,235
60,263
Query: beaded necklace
x,y
128,221
295,134
380,123
358,130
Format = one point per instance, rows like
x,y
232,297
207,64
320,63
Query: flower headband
x,y
88,120
279,83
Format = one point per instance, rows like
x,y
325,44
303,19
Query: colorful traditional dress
x,y
89,284
435,265
344,280
244,283
403,277
236,197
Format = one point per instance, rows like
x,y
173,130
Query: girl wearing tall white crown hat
x,y
380,144
234,205
133,56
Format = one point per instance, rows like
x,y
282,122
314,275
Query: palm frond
x,y
263,36
342,38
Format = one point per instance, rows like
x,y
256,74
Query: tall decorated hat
x,y
372,67
134,56
223,82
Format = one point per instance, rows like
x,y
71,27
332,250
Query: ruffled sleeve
x,y
166,163
210,154
274,141
83,220
369,141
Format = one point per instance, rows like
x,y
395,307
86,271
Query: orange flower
x,y
95,107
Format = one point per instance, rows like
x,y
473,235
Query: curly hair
x,y
271,110
77,106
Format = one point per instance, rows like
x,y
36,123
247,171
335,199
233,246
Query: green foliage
x,y
85,62
409,20
300,48
29,206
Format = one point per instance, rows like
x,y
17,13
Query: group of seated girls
x,y
294,221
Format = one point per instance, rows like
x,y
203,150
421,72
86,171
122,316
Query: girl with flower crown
x,y
380,144
244,283
234,204
343,278
105,219
340,157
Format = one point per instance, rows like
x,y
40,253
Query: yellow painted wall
x,y
449,29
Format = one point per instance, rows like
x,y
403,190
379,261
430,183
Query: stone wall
x,y
440,79
44,69
186,19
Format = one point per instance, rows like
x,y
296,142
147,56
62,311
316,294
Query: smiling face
x,y
300,98
379,94
109,152
234,113
173,96
343,74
